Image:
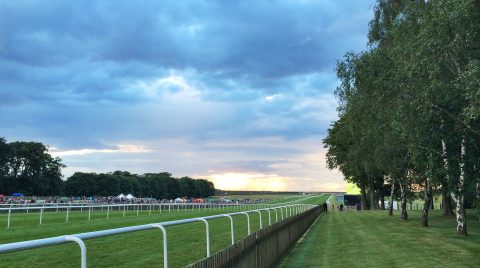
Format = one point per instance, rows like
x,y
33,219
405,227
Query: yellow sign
x,y
352,188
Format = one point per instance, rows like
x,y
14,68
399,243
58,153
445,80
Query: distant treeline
x,y
28,168
156,185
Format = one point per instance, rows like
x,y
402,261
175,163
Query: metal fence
x,y
264,247
126,209
281,213
123,209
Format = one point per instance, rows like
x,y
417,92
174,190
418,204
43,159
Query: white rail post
x,y
231,227
207,235
248,221
8,223
269,217
276,215
260,215
41,215
108,212
165,244
66,218
124,211
83,249
89,212
169,208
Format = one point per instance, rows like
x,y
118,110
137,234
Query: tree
x,y
409,106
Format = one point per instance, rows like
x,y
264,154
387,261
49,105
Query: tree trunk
x,y
382,200
459,197
390,208
446,201
477,204
428,201
373,201
403,197
363,196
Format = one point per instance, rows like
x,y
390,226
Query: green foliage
x,y
27,167
415,89
156,185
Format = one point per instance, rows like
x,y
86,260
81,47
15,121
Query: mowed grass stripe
x,y
372,239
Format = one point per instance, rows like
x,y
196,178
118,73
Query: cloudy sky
x,y
240,92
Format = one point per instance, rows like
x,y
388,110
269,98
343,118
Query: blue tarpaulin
x,y
17,194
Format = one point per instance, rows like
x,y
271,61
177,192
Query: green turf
x,y
139,249
268,198
373,239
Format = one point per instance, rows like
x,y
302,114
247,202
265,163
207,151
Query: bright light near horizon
x,y
245,181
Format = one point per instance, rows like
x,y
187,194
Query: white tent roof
x,y
129,196
121,196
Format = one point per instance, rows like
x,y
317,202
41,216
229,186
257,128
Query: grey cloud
x,y
67,68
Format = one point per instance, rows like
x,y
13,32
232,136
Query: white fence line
x,y
78,238
137,207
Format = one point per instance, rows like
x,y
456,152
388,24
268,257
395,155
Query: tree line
x,y
409,108
156,185
28,168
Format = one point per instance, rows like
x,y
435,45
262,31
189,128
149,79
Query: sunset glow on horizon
x,y
248,182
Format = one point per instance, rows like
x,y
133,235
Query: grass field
x,y
372,239
266,198
186,242
51,216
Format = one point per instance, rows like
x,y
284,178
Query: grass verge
x,y
373,239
